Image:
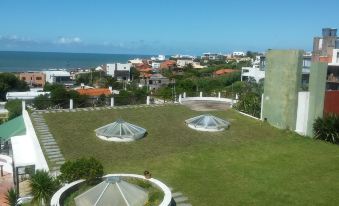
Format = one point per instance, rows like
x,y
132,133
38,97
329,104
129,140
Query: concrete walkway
x,y
180,199
48,143
88,109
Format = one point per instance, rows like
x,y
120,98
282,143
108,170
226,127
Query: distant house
x,y
168,64
212,56
221,72
252,73
238,54
34,79
154,81
181,63
58,76
156,64
119,71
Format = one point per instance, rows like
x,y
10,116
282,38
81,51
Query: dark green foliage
x,y
11,197
90,78
43,186
42,102
89,169
249,97
14,107
327,128
136,96
249,103
134,73
9,82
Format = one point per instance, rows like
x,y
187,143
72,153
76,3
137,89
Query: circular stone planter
x,y
63,192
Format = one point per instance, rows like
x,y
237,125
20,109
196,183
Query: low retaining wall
x,y
63,192
216,99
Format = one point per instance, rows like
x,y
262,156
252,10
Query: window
x,y
38,78
23,78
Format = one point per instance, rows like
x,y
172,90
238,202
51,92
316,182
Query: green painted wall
x,y
282,84
317,86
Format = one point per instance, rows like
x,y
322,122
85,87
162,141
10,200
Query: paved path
x,y
88,109
6,182
48,143
180,199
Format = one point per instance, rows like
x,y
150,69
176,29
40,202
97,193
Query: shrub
x,y
89,169
14,107
327,128
42,102
11,197
43,186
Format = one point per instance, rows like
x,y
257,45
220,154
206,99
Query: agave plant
x,y
43,187
327,128
11,197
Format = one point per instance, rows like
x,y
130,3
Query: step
x,y
180,199
183,204
176,194
56,159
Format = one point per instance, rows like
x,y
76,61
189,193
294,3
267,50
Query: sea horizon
x,y
21,61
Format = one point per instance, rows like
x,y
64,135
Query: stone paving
x,y
6,182
180,199
48,143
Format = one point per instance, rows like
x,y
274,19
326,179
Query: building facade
x,y
33,79
120,71
58,76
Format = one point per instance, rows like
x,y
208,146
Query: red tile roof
x,y
94,92
224,71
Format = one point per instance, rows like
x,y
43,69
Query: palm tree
x,y
11,197
43,187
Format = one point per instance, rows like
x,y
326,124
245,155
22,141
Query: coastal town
x,y
239,127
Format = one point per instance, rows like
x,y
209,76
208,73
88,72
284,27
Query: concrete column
x,y
112,101
184,94
219,95
180,98
71,104
148,100
200,94
262,106
23,103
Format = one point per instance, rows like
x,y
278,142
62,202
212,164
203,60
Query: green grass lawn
x,y
252,163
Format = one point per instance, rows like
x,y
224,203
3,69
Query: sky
x,y
162,26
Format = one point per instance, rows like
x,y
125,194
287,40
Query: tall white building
x,y
119,71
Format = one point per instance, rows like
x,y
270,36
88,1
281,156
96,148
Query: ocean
x,y
13,61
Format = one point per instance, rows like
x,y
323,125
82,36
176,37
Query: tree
x,y
42,102
89,169
12,197
9,82
14,107
134,73
327,128
43,186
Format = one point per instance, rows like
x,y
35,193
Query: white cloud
x,y
68,40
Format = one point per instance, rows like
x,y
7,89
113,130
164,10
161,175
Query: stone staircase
x,y
179,199
48,143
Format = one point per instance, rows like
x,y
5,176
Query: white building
x,y
30,95
183,62
252,73
156,65
239,53
160,57
58,76
119,71
335,58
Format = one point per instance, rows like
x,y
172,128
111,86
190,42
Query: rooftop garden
x,y
252,163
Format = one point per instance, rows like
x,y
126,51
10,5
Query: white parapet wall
x,y
55,201
216,99
302,112
41,162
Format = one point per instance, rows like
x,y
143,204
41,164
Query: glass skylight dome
x,y
113,192
207,123
120,131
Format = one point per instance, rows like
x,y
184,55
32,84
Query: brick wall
x,y
331,103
